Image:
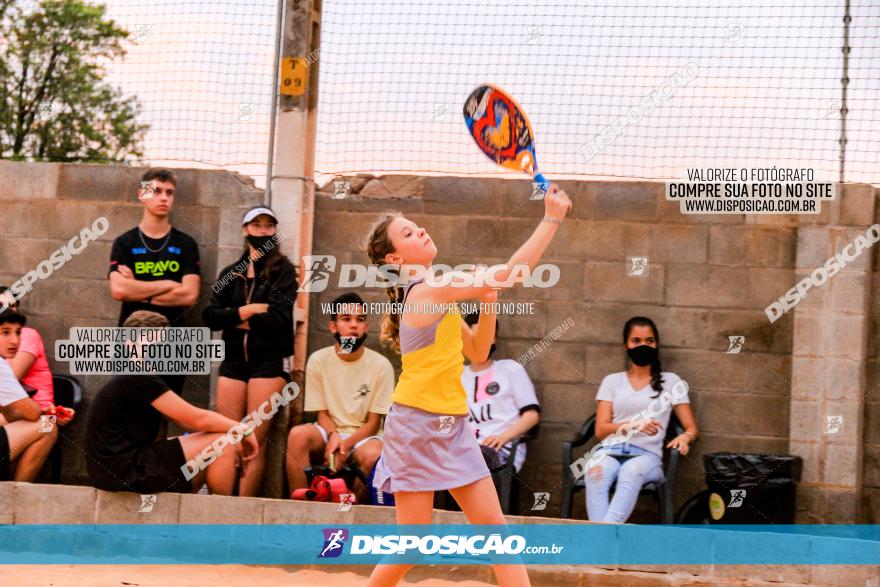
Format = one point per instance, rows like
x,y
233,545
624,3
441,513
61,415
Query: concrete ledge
x,y
51,504
130,508
26,503
7,497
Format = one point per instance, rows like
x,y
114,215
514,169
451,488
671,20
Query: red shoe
x,y
324,489
319,491
338,488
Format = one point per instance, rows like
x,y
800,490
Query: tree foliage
x,y
54,104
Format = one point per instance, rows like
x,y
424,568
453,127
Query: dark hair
x,y
344,299
473,318
656,368
379,245
160,174
12,317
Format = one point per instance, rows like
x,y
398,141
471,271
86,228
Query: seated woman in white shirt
x,y
635,406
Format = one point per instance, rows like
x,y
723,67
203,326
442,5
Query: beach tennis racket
x,y
502,130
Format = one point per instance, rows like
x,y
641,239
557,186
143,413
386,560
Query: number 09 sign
x,y
294,76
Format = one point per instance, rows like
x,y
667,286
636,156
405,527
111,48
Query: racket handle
x,y
545,185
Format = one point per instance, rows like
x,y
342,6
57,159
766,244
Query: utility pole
x,y
290,186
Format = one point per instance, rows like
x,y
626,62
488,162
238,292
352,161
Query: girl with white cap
x,y
252,303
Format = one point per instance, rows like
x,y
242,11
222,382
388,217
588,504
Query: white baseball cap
x,y
256,211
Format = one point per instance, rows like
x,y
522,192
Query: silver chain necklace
x,y
146,246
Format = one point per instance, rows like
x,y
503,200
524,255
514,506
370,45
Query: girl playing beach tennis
x,y
428,444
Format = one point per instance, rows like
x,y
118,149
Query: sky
x,y
746,83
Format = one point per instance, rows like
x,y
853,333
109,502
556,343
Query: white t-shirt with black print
x,y
627,403
496,397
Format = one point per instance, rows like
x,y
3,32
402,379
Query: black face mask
x,y
348,350
642,355
260,242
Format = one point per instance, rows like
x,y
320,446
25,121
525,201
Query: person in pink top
x,y
32,368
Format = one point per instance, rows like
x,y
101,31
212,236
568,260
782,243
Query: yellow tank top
x,y
432,366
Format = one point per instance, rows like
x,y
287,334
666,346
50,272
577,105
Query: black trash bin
x,y
752,488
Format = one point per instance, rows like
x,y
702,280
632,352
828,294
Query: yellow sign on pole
x,y
294,76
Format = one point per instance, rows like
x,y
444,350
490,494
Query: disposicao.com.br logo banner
x,y
366,544
496,542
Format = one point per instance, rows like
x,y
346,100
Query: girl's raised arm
x,y
556,205
477,341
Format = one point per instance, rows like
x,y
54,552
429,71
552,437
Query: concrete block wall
x,y
709,277
45,204
830,365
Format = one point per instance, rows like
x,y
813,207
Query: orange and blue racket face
x,y
501,129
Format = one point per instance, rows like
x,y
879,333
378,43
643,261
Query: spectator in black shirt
x,y
122,425
154,266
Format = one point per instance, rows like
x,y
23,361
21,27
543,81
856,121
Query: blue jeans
x,y
632,467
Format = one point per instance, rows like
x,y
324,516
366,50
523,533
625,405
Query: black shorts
x,y
246,370
155,469
5,454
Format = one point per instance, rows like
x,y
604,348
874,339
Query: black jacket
x,y
271,334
